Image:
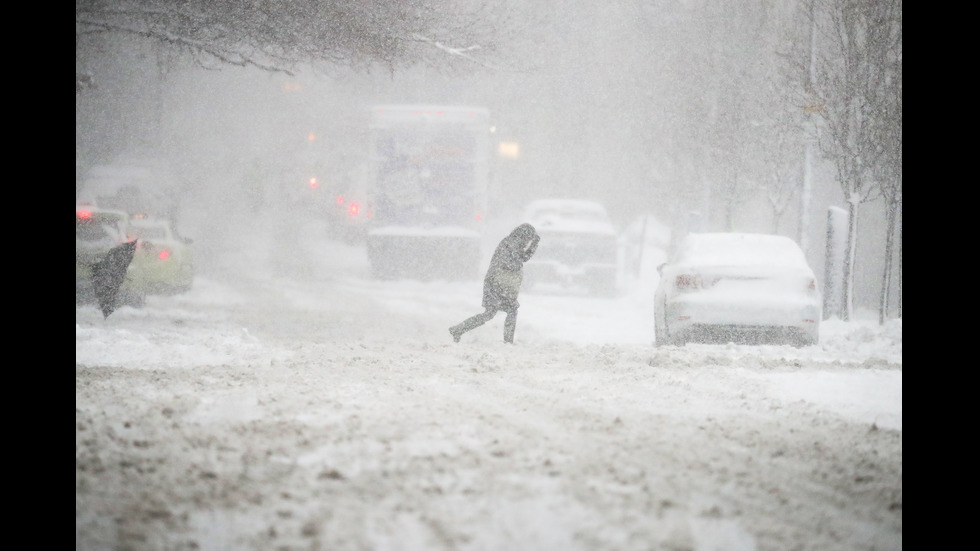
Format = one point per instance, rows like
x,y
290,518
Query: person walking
x,y
503,282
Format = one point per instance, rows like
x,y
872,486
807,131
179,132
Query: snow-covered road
x,y
301,405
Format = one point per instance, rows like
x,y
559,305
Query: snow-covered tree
x,y
888,171
852,70
277,35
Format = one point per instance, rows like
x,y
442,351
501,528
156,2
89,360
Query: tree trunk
x,y
849,255
900,268
890,216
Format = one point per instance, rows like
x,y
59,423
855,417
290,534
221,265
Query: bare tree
x,y
278,36
849,79
709,63
780,131
781,170
889,169
790,120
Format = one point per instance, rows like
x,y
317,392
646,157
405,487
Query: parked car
x,y
96,232
163,262
737,287
578,246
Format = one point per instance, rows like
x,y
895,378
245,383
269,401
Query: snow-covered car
x,y
744,288
163,262
578,246
96,232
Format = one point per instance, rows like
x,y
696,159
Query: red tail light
x,y
354,209
690,282
83,214
687,281
313,183
161,253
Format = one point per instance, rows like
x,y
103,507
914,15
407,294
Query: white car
x,y
737,287
578,248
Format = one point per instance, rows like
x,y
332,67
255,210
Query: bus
x,y
427,190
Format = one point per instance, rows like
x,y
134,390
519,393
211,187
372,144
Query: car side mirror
x,y
187,240
660,269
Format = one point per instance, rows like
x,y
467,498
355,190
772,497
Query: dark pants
x,y
510,324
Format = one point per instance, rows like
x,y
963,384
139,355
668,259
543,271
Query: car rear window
x,y
741,250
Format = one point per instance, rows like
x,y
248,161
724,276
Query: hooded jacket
x,y
504,276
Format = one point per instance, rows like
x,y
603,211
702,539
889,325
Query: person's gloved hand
x,y
532,246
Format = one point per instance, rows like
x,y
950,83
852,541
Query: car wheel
x,y
802,341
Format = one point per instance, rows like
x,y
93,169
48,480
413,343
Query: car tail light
x,y
354,209
691,282
83,214
162,253
686,282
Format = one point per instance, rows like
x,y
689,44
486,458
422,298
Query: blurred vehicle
x,y
96,232
426,191
333,201
135,183
347,220
163,262
578,246
737,287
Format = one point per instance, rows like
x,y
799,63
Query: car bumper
x,y
753,319
161,279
